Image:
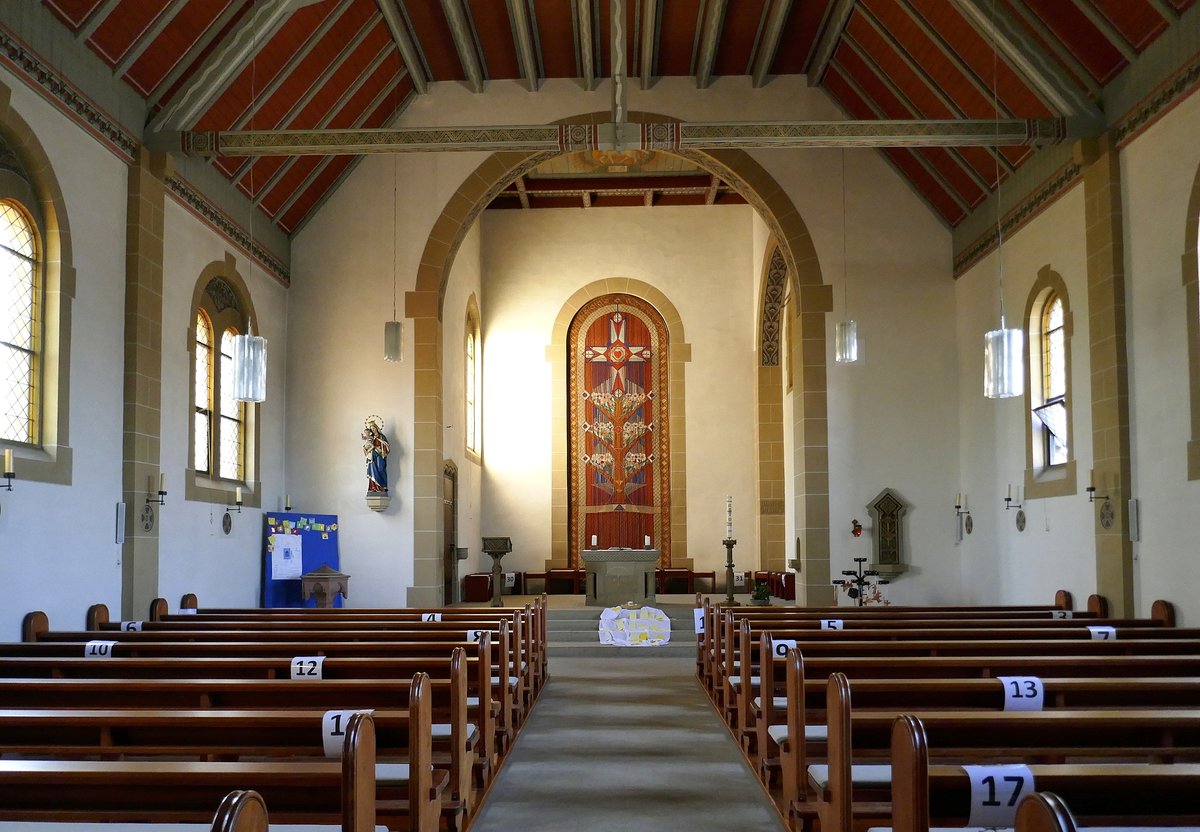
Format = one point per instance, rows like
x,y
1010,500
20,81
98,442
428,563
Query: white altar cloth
x,y
644,627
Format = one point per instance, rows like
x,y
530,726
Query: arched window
x,y
1050,456
472,383
20,325
223,430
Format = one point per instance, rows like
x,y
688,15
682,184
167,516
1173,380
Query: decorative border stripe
x,y
216,219
1158,103
1038,200
43,79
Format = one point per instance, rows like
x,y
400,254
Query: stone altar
x,y
615,576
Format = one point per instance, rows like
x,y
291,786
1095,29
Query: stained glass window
x,y
20,325
203,393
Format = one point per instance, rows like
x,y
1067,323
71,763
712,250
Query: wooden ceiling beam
x,y
649,199
710,196
523,36
587,198
1079,73
1033,63
648,54
768,43
225,63
710,39
464,43
1168,12
138,47
1107,29
198,47
522,194
829,34
584,51
96,19
405,44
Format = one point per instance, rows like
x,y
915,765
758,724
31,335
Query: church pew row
x,y
776,638
148,734
925,794
495,722
535,614
339,793
455,740
855,781
290,643
1047,812
241,810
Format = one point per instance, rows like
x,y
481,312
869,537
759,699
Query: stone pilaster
x,y
428,459
1109,367
811,430
143,380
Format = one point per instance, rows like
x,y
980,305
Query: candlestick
x,y
647,541
162,483
287,503
1010,491
8,461
958,499
593,541
237,495
729,518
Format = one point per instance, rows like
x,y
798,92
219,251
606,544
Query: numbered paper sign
x,y
333,730
995,793
510,580
1023,693
99,649
1103,632
739,579
431,616
307,667
832,624
131,626
187,611
780,646
1061,614
476,635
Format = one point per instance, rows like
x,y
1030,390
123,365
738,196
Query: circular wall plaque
x,y
1020,520
969,524
147,519
227,523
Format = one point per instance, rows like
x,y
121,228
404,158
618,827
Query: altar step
x,y
575,632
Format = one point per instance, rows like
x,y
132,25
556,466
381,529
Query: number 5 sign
x,y
995,792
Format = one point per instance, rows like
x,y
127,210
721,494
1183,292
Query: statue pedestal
x,y
615,576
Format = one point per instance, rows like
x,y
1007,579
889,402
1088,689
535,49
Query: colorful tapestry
x,y
618,462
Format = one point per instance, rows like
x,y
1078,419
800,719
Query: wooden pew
x,y
239,811
1113,793
848,786
161,791
1047,812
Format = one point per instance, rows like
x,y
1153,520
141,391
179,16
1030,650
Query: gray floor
x,y
626,744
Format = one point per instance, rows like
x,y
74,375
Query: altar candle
x,y
1091,473
287,501
237,495
8,460
958,499
647,541
162,483
1010,491
593,541
729,518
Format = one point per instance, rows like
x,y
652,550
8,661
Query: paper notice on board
x,y
286,557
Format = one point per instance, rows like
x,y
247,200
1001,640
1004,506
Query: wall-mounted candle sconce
x,y
856,528
161,497
237,500
1091,489
1008,501
960,505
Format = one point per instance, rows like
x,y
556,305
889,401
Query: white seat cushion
x,y
815,733
779,703
472,701
865,776
737,680
441,731
777,733
393,774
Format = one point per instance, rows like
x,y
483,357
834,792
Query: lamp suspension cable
x,y
1003,367
845,339
393,340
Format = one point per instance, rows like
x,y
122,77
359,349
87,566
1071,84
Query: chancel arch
x,y
808,349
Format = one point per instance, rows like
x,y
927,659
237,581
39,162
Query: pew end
x,y
241,811
1163,611
1044,812
1064,600
1097,605
158,609
910,775
97,614
189,601
34,625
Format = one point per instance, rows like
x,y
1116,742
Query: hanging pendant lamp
x,y
250,366
393,330
845,334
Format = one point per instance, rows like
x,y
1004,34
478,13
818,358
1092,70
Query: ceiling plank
x,y
297,57
1039,69
148,37
648,56
193,52
710,39
404,45
1165,10
464,43
96,19
522,194
768,45
949,189
1106,28
583,43
522,29
827,40
1064,55
225,63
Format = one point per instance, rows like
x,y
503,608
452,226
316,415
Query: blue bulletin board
x,y
295,543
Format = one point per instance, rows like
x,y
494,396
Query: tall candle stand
x,y
729,544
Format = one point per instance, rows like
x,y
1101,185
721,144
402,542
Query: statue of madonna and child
x,y
376,449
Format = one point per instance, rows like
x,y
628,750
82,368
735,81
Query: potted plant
x,y
761,595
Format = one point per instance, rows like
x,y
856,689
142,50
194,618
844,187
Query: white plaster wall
x,y
57,543
1000,565
700,258
1159,168
464,281
195,555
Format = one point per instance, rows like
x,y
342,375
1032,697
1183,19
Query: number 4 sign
x,y
995,793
